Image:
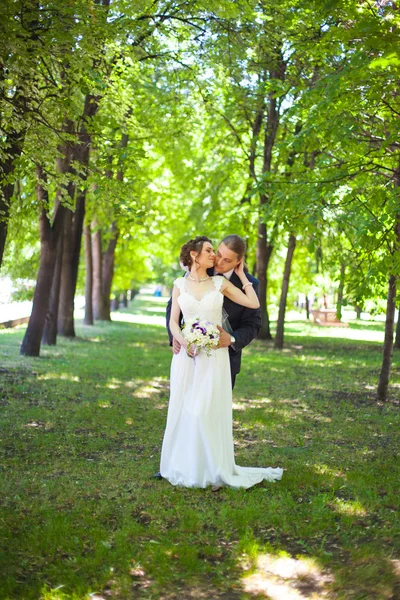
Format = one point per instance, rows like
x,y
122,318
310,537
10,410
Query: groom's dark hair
x,y
236,244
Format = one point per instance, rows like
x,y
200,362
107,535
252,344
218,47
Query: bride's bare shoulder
x,y
179,283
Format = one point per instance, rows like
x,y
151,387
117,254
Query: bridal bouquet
x,y
201,334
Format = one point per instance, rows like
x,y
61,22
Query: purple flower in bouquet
x,y
202,335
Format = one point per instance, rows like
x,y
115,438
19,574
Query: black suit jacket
x,y
245,322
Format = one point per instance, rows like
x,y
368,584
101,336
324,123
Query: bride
x,y
197,448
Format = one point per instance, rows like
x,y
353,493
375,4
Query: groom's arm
x,y
167,319
250,325
168,316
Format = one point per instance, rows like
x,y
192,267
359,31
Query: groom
x,y
243,323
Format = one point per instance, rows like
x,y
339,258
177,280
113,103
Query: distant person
x,y
158,291
198,448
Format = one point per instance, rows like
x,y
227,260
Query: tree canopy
x,y
151,122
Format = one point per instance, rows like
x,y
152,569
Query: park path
x,y
15,313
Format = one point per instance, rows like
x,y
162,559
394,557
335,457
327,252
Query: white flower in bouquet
x,y
202,335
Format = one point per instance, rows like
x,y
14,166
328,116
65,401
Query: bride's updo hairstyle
x,y
195,245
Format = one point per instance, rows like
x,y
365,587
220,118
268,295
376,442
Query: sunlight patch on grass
x,y
322,469
157,385
132,384
246,402
354,509
158,309
153,299
58,594
396,566
323,419
286,578
237,406
310,358
112,386
62,376
139,319
40,425
347,333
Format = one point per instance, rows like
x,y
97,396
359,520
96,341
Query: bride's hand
x,y
176,346
239,269
191,351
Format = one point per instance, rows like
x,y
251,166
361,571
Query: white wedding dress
x,y
198,443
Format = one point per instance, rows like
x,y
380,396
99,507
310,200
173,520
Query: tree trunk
x,y
51,324
397,339
388,342
99,308
285,288
65,319
125,300
50,329
60,288
358,312
108,268
77,230
263,252
103,266
49,235
109,255
390,310
339,302
88,320
70,265
80,153
265,245
307,307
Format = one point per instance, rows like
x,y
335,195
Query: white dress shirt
x,y
228,274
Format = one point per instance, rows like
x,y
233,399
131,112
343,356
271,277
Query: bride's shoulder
x,y
179,282
218,281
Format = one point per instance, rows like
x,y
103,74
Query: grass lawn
x,y
81,430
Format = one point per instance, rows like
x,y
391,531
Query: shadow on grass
x,y
82,428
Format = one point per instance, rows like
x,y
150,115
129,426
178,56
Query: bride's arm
x,y
174,319
249,298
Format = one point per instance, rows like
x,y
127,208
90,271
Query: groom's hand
x,y
176,347
224,338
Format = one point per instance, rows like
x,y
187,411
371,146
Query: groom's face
x,y
225,259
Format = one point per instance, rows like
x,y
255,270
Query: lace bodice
x,y
208,307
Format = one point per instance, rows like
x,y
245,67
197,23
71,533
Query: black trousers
x,y
233,377
235,367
